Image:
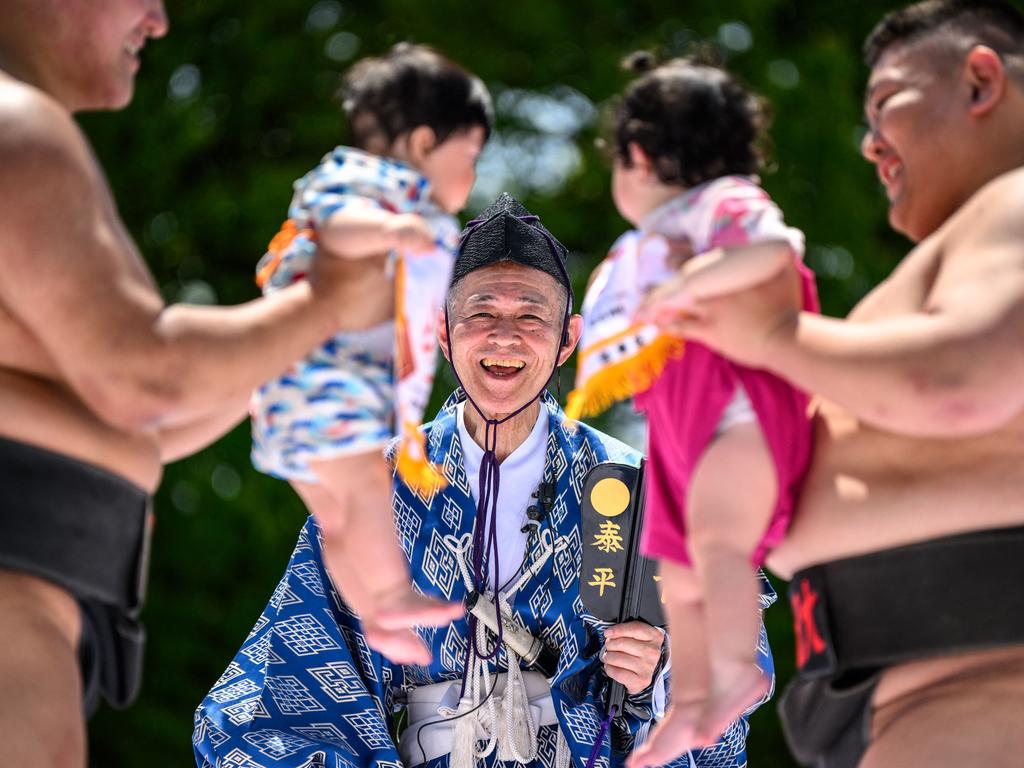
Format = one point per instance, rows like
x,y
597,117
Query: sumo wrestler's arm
x,y
72,275
952,368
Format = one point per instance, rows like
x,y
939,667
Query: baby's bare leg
x,y
352,505
331,516
733,623
684,610
727,521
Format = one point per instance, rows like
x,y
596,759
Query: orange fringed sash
x,y
412,464
622,379
618,357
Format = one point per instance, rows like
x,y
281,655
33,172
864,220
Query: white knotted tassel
x,y
563,757
520,742
464,743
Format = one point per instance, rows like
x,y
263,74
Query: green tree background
x,y
238,101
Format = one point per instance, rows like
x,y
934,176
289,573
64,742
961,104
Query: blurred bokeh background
x,y
238,101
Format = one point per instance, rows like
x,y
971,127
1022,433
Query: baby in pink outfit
x,y
727,445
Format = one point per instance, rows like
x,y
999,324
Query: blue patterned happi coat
x,y
305,690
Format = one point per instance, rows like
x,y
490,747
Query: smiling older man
x,y
305,689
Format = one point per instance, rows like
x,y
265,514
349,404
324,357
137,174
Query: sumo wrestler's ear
x,y
573,332
421,142
985,77
442,333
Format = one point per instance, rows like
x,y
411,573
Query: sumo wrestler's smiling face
x,y
94,48
505,322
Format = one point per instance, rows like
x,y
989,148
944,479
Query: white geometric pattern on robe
x,y
339,680
234,670
454,470
236,758
547,744
370,728
307,574
767,594
207,730
567,561
582,461
541,600
284,595
320,653
729,751
257,649
440,566
303,544
263,621
407,525
555,458
234,691
242,712
328,733
355,639
577,606
451,514
305,635
292,696
453,650
274,743
581,722
560,510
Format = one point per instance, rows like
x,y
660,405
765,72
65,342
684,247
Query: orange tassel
x,y
288,232
623,379
413,467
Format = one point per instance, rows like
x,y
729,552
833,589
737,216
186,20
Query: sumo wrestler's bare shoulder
x,y
34,127
990,222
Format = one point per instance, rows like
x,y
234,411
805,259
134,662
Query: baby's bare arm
x,y
370,232
726,270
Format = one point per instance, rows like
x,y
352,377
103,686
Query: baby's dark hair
x,y
693,119
412,85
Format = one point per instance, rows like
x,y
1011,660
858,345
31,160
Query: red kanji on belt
x,y
808,639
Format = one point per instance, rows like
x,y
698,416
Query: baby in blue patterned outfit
x,y
419,122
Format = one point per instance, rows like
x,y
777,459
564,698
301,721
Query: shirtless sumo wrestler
x,y
920,423
100,382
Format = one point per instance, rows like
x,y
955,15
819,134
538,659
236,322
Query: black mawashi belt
x,y
959,593
77,525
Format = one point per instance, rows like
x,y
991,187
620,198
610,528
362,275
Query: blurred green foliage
x,y
238,102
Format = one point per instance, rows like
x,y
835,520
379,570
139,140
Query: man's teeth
x,y
490,362
893,171
132,49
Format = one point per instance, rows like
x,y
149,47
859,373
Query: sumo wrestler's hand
x,y
742,325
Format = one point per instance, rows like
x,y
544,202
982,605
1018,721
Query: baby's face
x,y
451,167
627,186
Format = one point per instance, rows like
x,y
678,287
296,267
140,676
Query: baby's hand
x,y
409,232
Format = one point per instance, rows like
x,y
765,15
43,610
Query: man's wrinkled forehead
x,y
507,281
